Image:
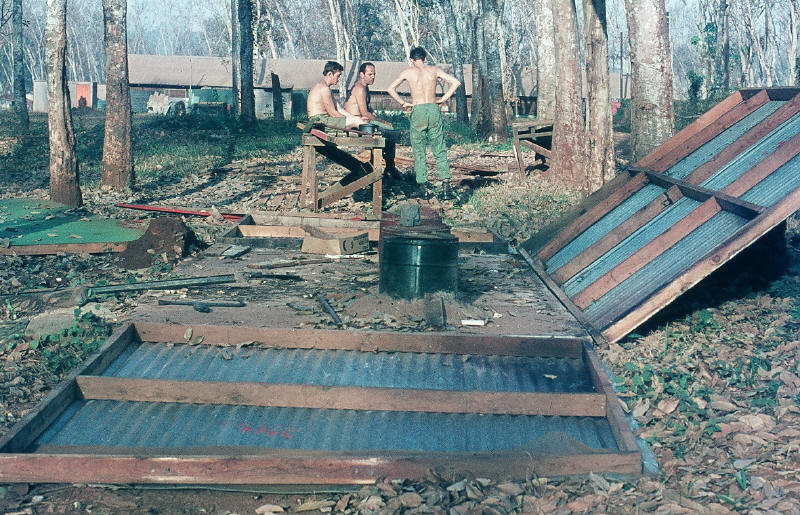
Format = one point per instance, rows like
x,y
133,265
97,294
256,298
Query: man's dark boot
x,y
447,191
423,193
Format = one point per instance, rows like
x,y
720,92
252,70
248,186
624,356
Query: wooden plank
x,y
562,346
646,254
709,132
341,397
358,142
280,231
555,289
338,192
541,238
538,148
24,432
715,258
745,142
593,215
782,93
303,467
734,205
617,235
691,130
70,248
786,151
616,419
379,165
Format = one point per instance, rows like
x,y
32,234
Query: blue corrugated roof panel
x,y
705,153
754,155
777,185
663,269
630,245
604,226
186,426
353,368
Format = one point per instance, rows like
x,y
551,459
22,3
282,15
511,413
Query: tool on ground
x,y
270,266
214,303
267,275
327,305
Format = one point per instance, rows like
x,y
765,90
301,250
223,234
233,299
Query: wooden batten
x,y
709,132
646,254
593,215
70,248
765,168
734,205
617,235
342,397
442,343
746,141
687,133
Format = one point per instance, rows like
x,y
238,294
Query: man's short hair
x,y
363,67
332,67
418,53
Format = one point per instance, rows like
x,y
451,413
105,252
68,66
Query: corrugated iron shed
x,y
679,214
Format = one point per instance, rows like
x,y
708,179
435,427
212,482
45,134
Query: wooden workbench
x,y
329,143
534,134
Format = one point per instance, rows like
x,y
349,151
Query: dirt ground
x,y
713,388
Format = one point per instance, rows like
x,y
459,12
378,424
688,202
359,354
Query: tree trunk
x,y
600,166
651,75
64,185
246,61
498,126
479,118
545,60
569,138
20,104
277,98
458,60
117,162
236,51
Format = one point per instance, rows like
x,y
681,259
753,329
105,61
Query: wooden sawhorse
x,y
534,134
361,174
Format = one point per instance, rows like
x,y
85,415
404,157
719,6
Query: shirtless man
x,y
426,118
320,106
357,102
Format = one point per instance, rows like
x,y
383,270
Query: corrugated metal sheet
x,y
705,153
626,248
663,269
184,426
754,155
774,188
603,226
353,368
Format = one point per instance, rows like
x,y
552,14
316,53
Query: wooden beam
x,y
648,253
541,238
617,235
709,132
556,346
745,142
280,231
715,258
689,132
70,248
25,432
342,397
786,151
782,93
338,192
593,215
304,467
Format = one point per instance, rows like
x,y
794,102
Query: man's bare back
x,y
422,80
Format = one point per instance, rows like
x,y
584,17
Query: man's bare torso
x,y
316,99
422,83
351,105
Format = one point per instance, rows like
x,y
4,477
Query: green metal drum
x,y
413,264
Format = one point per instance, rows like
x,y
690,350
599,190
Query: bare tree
x,y
569,151
236,55
457,53
498,126
651,75
20,103
545,60
599,130
64,183
117,161
245,8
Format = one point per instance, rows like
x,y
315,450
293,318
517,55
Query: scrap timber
x,y
680,213
211,404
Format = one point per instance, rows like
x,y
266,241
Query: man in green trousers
x,y
426,117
